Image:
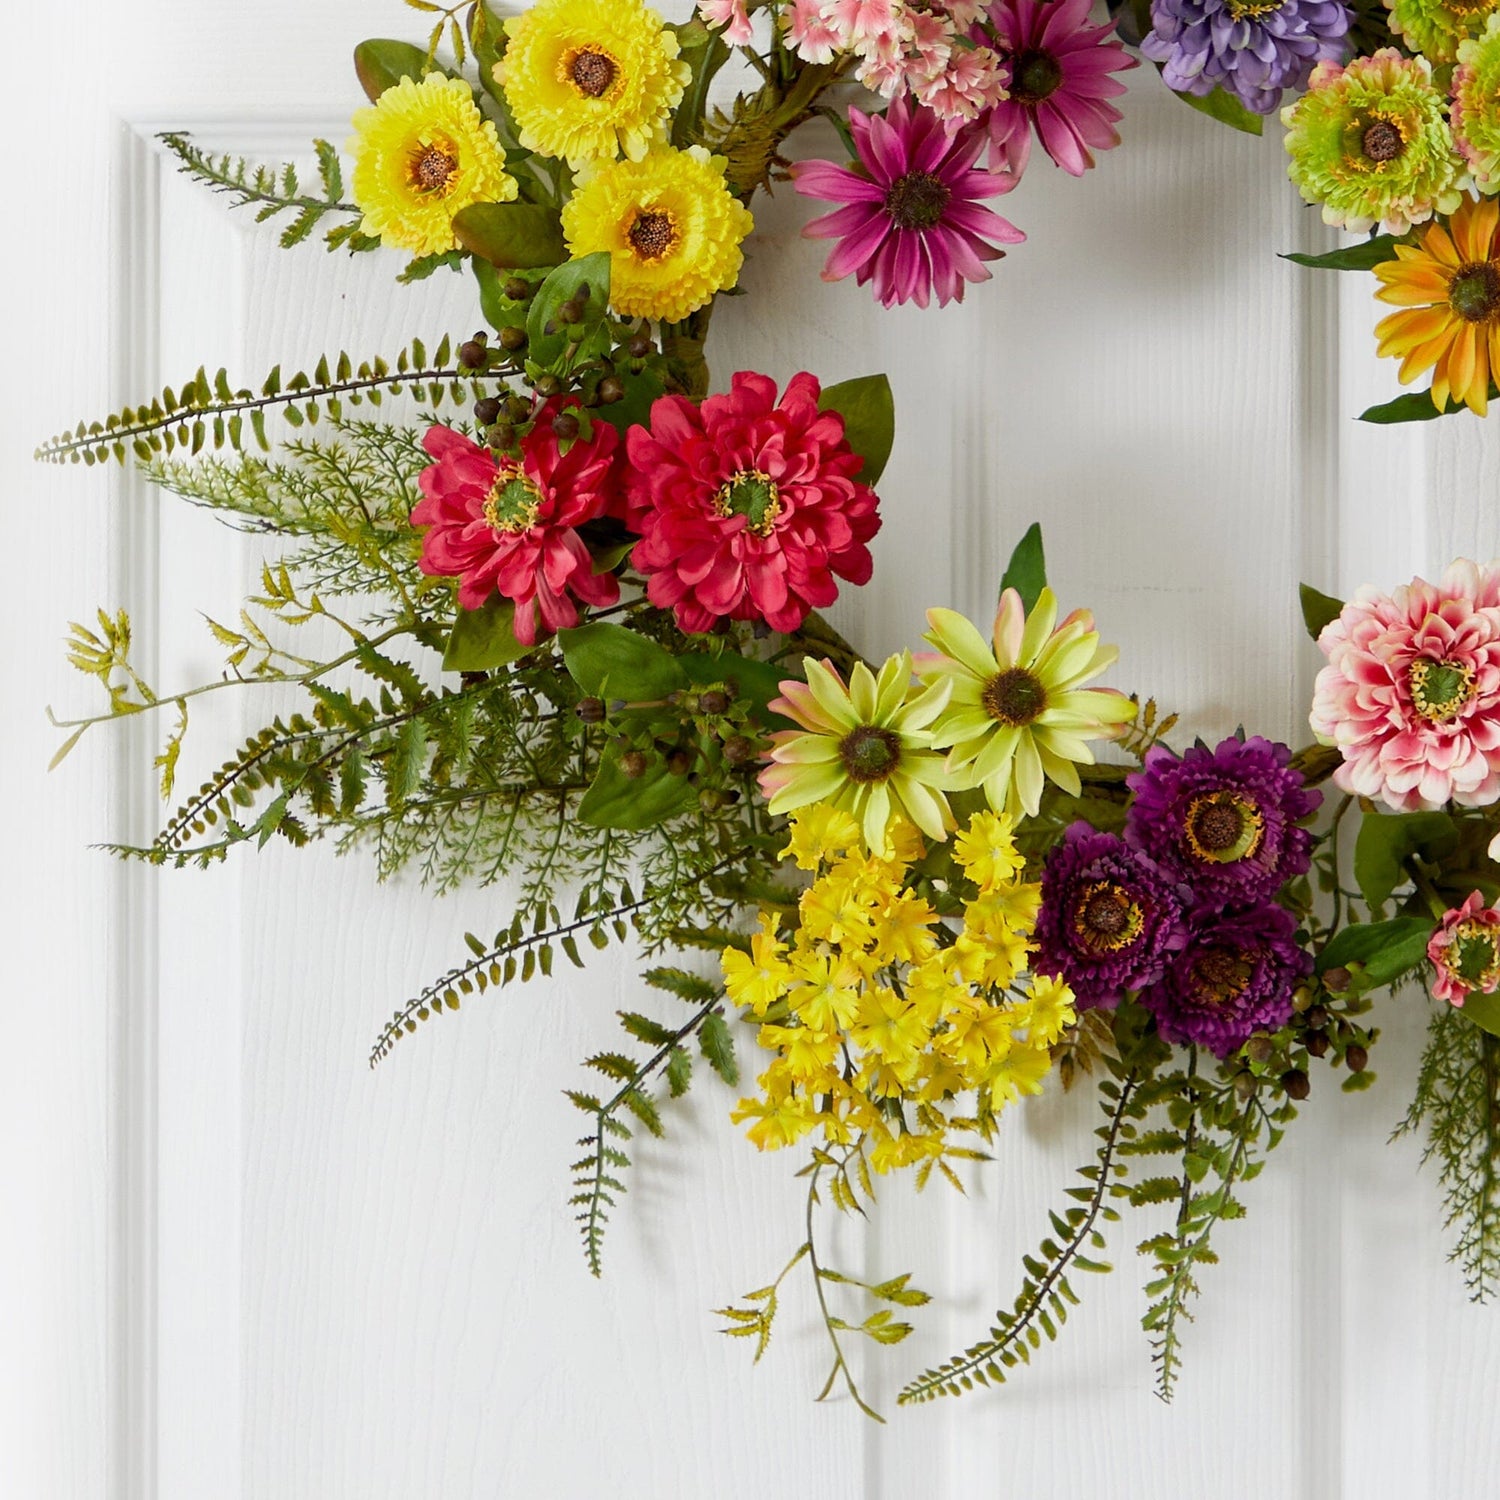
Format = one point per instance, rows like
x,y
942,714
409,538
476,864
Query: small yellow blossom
x,y
819,832
987,850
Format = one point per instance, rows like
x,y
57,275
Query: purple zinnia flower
x,y
1235,976
1252,48
1110,915
1224,821
913,222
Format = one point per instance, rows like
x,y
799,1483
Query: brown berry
x,y
472,354
679,763
1259,1048
565,425
1296,1084
517,288
640,346
548,385
1317,1017
714,701
1337,980
633,765
738,749
611,389
512,338
502,435
1357,1059
517,408
487,411
1317,1044
590,710
571,311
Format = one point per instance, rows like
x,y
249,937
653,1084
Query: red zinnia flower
x,y
748,509
508,523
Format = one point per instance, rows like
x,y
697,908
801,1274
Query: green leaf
x,y
1386,949
1224,107
483,638
615,800
869,413
679,1071
561,286
1483,1011
718,1047
608,660
379,64
1318,609
1386,841
1365,256
512,235
1414,406
1026,572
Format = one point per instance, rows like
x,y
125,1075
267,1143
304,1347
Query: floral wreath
x,y
580,644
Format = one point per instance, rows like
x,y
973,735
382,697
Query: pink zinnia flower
x,y
731,15
508,523
747,509
1059,78
1411,693
913,222
1465,951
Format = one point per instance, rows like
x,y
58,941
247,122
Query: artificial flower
x,y
1059,81
1411,694
1465,951
1225,821
670,224
423,152
866,748
748,508
1235,975
1370,142
1019,714
986,850
1110,916
588,80
731,16
507,522
1436,28
913,222
1447,287
1254,51
1475,111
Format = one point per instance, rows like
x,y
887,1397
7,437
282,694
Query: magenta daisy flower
x,y
1060,77
913,221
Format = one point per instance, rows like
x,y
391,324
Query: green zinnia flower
x,y
1436,27
1370,143
1476,106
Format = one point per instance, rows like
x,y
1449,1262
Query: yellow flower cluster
x,y
878,1014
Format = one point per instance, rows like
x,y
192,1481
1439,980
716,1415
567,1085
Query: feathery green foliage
x,y
1458,1100
277,190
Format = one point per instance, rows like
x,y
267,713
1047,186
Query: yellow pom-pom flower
x,y
671,226
590,79
422,153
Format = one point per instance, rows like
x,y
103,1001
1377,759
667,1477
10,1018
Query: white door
x,y
240,1265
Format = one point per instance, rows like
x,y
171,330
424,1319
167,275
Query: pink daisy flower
x,y
1060,75
1411,694
507,523
748,509
1465,951
913,223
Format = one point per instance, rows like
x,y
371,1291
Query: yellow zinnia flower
x,y
588,79
1448,291
422,152
1019,713
671,226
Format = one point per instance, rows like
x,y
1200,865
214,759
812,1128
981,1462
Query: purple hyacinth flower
x,y
1224,820
1235,976
1253,48
1109,917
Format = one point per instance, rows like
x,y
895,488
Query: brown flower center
x,y
1221,974
1034,76
653,234
916,200
1439,689
513,501
592,73
1014,697
870,753
751,494
1105,919
433,169
1222,828
1381,141
1474,293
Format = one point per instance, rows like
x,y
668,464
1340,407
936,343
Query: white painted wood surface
x,y
242,1266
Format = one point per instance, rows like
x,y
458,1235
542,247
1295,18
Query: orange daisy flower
x,y
1447,288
